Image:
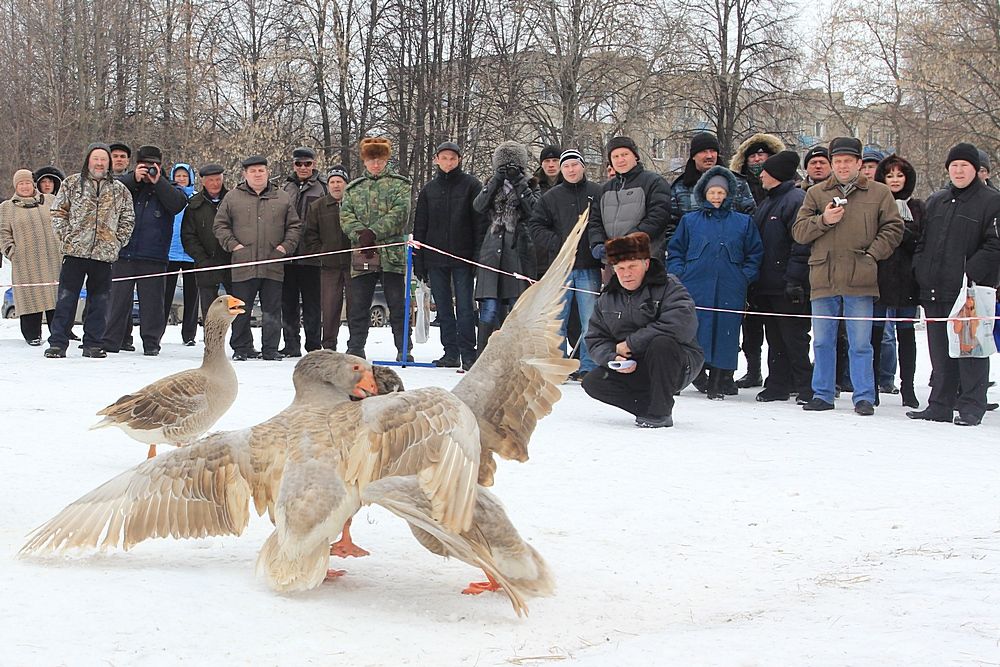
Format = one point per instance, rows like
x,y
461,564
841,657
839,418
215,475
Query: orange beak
x,y
366,386
235,305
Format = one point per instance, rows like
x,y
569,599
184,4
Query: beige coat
x,y
845,255
260,223
27,239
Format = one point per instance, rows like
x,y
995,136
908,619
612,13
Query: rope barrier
x,y
421,245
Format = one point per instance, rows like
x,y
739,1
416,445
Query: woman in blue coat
x,y
716,252
183,175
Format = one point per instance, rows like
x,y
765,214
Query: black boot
x,y
701,381
906,344
483,336
753,377
715,384
727,384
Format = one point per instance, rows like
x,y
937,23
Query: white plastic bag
x,y
422,329
972,338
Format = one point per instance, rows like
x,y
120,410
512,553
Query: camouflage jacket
x,y
93,219
382,204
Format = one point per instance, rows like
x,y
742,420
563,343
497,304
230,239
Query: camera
x,y
510,171
839,201
621,365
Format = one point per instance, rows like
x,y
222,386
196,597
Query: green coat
x,y
382,204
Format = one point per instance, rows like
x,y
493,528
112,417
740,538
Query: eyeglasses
x,y
303,163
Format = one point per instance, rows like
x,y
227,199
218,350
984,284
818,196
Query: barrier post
x,y
408,276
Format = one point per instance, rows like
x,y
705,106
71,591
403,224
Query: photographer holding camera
x,y
503,239
156,201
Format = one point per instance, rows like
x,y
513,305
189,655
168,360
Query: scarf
x,y
505,206
33,201
904,210
849,187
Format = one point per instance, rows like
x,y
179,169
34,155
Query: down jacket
x,y
636,201
785,262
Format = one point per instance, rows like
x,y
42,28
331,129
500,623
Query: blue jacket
x,y
716,253
155,207
785,261
177,253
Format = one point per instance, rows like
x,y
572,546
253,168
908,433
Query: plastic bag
x,y
422,328
972,338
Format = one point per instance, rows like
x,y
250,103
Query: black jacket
x,y
785,261
556,214
155,207
199,240
637,200
445,219
960,235
661,306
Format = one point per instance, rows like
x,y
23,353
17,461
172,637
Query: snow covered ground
x,y
748,534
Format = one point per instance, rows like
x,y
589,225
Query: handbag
x,y
366,261
970,322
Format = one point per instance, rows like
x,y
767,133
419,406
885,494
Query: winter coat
x,y
27,240
500,249
661,306
198,238
555,215
784,262
738,165
177,253
960,235
444,218
381,204
897,288
844,256
260,222
92,219
716,253
636,201
155,205
684,200
303,194
322,233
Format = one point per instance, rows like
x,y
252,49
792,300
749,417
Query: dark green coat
x,y
382,204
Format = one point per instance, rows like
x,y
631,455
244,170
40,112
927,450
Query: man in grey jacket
x,y
257,222
643,335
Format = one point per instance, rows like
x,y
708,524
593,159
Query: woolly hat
x,y
254,160
510,152
782,166
339,170
448,146
984,160
704,141
759,147
549,152
211,169
571,154
622,142
717,181
375,148
303,153
845,146
23,175
149,154
963,151
119,146
624,248
815,151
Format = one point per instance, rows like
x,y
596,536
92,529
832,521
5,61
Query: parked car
x,y
10,311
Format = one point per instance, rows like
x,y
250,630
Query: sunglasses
x,y
303,163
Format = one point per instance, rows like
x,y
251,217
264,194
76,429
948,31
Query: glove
x,y
419,269
366,237
599,252
795,293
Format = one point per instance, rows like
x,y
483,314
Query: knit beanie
x,y
339,170
984,160
23,175
704,141
717,181
782,166
622,142
571,154
964,151
815,151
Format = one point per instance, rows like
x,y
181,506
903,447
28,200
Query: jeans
x,y
582,279
859,333
458,322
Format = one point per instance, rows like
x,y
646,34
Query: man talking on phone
x,y
643,335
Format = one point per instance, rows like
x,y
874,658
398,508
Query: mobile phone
x,y
621,365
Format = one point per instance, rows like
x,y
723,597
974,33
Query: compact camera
x,y
621,365
840,201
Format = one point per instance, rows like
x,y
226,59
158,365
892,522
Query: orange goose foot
x,y
477,587
344,547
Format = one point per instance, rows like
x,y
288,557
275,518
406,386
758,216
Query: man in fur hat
x,y
375,211
645,316
704,155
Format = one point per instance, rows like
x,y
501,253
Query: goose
x,y
310,466
180,408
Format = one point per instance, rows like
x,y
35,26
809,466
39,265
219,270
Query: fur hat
x,y
963,151
891,163
375,148
510,152
624,248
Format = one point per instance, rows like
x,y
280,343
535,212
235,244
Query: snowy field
x,y
748,534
